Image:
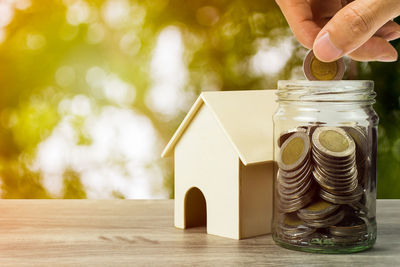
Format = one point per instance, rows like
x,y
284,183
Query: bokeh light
x,y
92,90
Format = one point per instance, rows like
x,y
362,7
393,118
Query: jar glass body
x,y
325,145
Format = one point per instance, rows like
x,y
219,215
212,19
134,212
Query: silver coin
x,y
333,161
350,226
339,191
335,180
293,176
336,175
294,192
360,138
299,181
334,166
335,189
294,205
329,160
337,199
290,202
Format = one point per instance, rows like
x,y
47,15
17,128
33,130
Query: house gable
x,y
244,116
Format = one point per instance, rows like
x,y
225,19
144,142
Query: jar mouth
x,y
326,91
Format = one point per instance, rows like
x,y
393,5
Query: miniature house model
x,y
223,153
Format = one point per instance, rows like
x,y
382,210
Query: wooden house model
x,y
223,158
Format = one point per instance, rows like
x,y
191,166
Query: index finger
x,y
299,15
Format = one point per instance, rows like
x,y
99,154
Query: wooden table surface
x,y
141,232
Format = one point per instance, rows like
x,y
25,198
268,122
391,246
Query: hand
x,y
361,29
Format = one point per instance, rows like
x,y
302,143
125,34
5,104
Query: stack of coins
x,y
335,169
359,136
318,183
295,183
321,214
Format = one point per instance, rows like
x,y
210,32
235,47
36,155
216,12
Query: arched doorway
x,y
195,208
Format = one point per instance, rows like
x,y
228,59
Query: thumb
x,y
352,26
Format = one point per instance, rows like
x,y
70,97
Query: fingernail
x,y
387,58
325,50
392,36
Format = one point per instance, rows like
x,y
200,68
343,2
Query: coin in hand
x,y
316,70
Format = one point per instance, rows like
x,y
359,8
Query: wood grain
x,y
141,233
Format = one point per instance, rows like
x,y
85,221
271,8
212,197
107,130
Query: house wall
x,y
256,199
205,158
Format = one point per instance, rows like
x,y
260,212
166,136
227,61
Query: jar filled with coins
x,y
325,143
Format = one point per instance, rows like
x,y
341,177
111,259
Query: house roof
x,y
244,116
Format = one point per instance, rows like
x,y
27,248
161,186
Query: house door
x,y
195,208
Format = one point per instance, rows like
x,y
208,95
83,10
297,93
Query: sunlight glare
x,y
169,73
269,60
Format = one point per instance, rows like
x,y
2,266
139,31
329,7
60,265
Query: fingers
x,y
376,48
299,15
390,31
352,26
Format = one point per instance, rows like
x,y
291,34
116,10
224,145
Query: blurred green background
x,y
91,91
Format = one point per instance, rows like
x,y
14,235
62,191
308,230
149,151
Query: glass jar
x,y
325,145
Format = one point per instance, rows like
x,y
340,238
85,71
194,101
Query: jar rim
x,y
326,91
337,83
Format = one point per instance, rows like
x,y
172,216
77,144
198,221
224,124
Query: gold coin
x,y
316,70
294,151
318,205
292,220
323,71
333,142
317,210
360,138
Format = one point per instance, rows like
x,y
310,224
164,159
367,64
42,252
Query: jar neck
x,y
358,92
